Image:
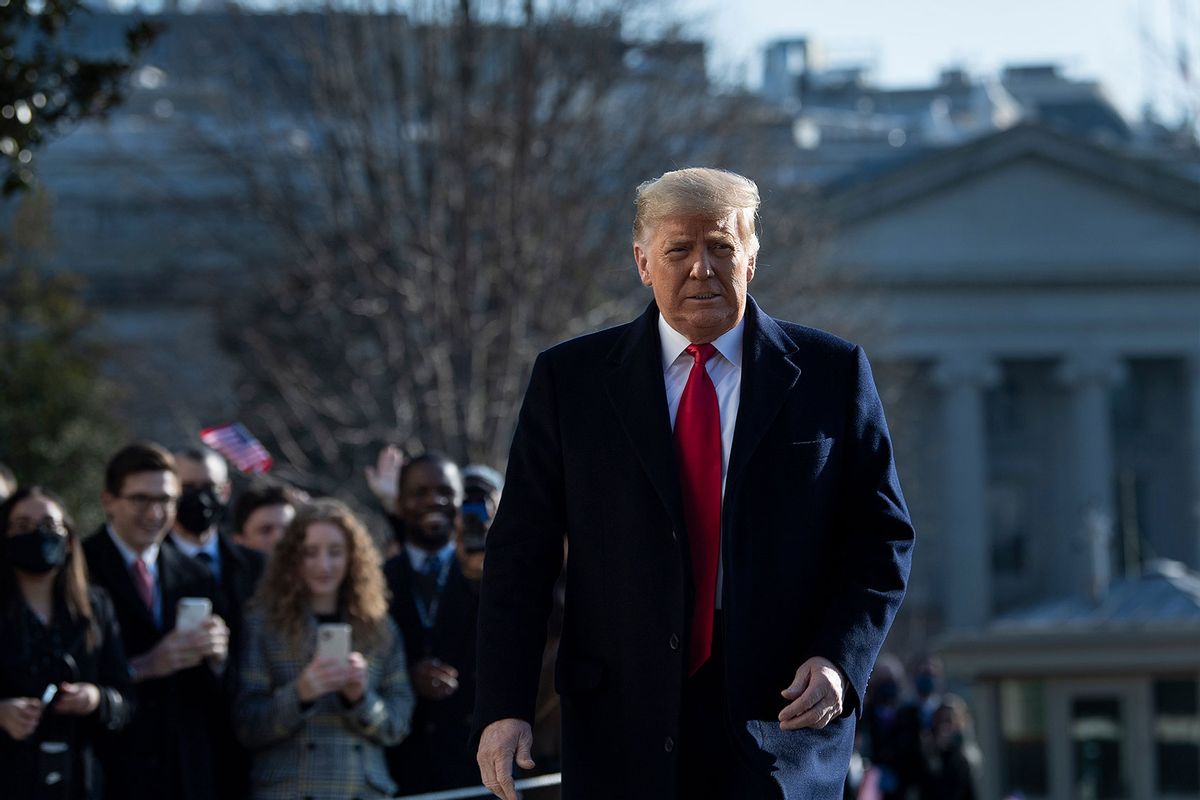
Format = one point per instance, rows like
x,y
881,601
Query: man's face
x,y
429,502
264,527
144,509
195,475
699,269
205,487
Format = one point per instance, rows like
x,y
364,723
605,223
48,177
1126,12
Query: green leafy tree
x,y
46,85
56,422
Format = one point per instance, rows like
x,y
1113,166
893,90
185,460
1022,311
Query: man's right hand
x,y
179,649
19,716
383,479
500,743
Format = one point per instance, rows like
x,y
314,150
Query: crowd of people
x,y
241,702
294,655
915,741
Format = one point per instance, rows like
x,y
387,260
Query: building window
x,y
1177,736
1008,524
1023,737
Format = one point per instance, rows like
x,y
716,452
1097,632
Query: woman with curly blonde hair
x,y
317,726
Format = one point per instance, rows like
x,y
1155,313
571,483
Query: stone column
x,y
963,377
1193,399
1088,377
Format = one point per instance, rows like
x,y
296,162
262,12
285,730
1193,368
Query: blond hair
x,y
697,192
362,597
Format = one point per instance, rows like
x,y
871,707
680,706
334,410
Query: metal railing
x,y
539,782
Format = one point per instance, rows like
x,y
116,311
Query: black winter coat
x,y
816,547
32,656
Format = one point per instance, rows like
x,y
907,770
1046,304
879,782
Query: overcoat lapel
x,y
637,391
768,375
117,580
169,560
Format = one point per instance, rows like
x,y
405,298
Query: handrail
x,y
551,779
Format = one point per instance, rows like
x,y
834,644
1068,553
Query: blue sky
x,y
1129,45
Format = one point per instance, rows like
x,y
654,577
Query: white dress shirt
x,y
418,556
724,368
211,545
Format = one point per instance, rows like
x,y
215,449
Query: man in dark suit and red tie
x,y
167,750
738,541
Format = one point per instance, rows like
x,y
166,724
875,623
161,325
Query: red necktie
x,y
698,446
143,581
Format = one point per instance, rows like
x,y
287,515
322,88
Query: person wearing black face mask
x,y
64,679
205,491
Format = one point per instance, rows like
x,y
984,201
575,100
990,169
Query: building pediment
x,y
1027,205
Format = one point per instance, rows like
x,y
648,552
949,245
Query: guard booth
x,y
1090,698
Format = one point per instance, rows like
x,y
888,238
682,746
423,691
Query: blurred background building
x,y
1022,261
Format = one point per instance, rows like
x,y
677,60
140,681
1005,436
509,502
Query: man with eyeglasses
x,y
167,750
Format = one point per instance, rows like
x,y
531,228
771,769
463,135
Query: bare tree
x,y
451,191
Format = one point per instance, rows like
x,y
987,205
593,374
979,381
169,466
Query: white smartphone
x,y
333,641
191,611
50,693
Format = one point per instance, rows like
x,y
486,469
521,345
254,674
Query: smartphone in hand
x,y
191,612
333,641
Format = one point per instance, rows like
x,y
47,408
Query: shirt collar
x,y
191,549
417,557
728,344
149,555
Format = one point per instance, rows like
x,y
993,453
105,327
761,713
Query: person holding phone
x,y
167,750
63,675
318,704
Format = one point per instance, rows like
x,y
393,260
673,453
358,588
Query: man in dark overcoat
x,y
738,544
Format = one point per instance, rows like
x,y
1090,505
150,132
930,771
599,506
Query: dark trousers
x,y
712,766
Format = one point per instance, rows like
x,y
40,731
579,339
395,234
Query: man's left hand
x,y
816,696
434,680
212,639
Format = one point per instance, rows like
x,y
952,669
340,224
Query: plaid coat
x,y
327,751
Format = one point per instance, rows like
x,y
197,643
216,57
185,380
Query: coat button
x,y
674,641
312,745
669,744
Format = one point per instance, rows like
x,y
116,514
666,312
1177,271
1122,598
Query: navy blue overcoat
x,y
816,548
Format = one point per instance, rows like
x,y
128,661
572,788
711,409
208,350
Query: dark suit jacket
x,y
816,549
166,749
437,754
240,570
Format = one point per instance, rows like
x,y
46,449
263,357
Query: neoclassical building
x,y
1032,304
